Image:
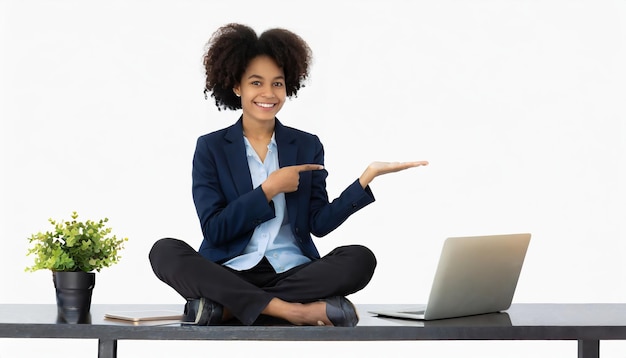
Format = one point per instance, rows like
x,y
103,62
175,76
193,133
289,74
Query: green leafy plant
x,y
75,246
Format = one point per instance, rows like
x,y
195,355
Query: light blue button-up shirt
x,y
272,239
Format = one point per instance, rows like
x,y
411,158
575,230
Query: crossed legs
x,y
293,295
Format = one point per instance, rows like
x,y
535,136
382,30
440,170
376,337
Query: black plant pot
x,y
73,293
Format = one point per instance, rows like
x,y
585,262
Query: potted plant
x,y
73,250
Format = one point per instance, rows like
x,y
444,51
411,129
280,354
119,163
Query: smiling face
x,y
262,90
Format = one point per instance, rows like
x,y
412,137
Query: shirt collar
x,y
250,151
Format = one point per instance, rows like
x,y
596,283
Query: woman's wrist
x,y
267,191
366,178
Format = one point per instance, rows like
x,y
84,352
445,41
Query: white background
x,y
518,105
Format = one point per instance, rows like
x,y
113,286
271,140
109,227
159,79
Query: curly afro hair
x,y
233,46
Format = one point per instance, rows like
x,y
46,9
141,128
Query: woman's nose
x,y
269,92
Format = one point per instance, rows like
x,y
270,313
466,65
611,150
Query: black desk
x,y
586,323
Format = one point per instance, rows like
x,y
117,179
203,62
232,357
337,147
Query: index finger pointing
x,y
306,167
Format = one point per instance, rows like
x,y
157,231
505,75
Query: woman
x,y
259,188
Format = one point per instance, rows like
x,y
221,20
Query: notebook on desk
x,y
475,275
145,315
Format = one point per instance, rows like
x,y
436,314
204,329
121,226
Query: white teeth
x,y
265,105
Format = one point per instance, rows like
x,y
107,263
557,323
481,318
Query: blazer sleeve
x,y
317,215
326,216
227,218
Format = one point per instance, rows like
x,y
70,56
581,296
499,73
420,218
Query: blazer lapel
x,y
235,152
287,155
286,142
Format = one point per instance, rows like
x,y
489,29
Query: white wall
x,y
518,105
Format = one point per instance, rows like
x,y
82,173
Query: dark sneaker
x,y
202,312
341,312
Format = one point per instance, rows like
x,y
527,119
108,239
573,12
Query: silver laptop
x,y
475,275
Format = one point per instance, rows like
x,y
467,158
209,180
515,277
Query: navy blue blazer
x,y
229,208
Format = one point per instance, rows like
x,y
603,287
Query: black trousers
x,y
345,270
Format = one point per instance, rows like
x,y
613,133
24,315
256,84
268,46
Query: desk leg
x,y
107,348
588,348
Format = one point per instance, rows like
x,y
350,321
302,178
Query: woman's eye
x,y
256,83
278,84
